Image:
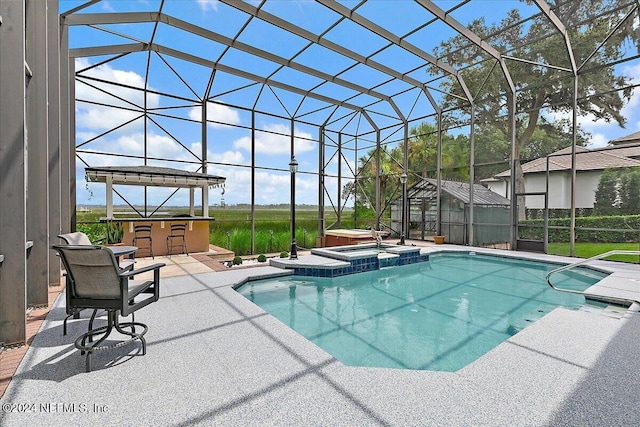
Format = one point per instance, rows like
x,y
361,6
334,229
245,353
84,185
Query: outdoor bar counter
x,y
196,234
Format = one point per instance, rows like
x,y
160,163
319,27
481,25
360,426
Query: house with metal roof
x,y
552,174
458,202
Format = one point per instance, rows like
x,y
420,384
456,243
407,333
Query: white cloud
x,y
158,146
587,122
116,110
106,5
276,140
598,140
84,136
230,157
217,112
601,131
104,118
208,4
271,187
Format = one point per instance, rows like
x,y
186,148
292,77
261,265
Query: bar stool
x,y
142,232
177,232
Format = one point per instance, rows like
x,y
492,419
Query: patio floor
x,y
215,358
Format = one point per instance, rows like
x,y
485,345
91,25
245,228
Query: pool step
x,y
386,259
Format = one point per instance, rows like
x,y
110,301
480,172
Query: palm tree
x,y
423,148
368,172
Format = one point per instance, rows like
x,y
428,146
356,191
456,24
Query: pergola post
x,y
192,202
109,196
205,201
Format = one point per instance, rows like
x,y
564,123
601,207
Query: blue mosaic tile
x,y
362,265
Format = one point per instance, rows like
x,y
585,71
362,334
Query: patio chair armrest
x,y
127,264
130,273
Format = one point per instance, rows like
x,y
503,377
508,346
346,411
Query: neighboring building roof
x,y
586,160
629,149
460,190
634,137
152,175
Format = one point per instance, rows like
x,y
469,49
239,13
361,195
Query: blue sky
x,y
231,144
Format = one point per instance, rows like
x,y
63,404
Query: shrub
x,y
262,258
237,260
95,231
618,192
586,229
284,254
115,232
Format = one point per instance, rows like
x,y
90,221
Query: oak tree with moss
x,y
600,33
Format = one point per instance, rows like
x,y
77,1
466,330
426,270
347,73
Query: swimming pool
x,y
436,315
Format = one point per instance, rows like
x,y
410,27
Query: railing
x,y
584,261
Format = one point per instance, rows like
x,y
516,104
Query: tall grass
x,y
270,236
231,228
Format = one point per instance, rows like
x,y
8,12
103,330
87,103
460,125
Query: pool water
x,y
436,315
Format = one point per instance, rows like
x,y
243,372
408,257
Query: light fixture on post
x,y
293,168
403,181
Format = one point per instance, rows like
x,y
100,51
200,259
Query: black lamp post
x,y
293,168
403,181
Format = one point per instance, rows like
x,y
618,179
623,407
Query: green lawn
x,y
588,250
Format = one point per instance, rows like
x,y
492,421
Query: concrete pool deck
x,y
213,357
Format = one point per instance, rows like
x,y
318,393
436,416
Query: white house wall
x,y
559,189
499,186
586,186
